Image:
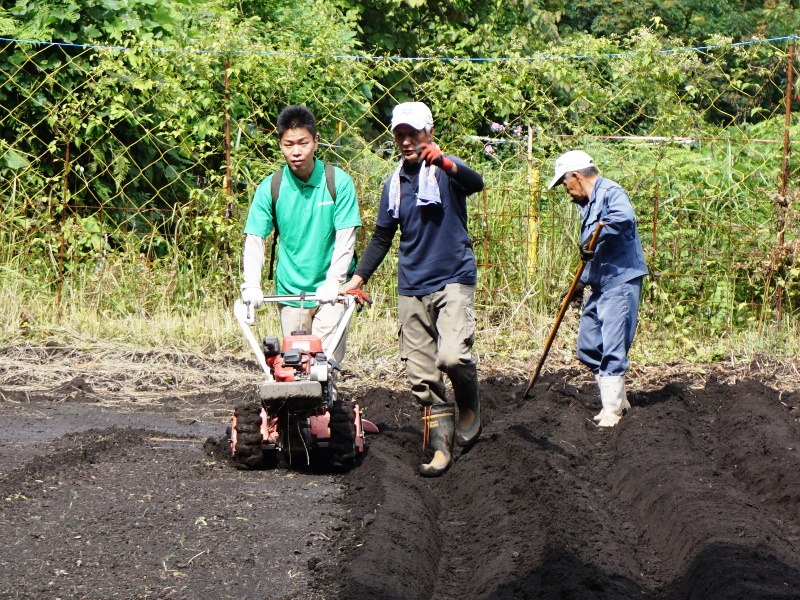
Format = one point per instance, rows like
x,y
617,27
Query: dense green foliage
x,y
521,27
115,159
692,21
81,21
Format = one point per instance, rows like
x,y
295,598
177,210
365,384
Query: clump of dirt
x,y
218,447
76,388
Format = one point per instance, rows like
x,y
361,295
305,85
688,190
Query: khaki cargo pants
x,y
320,320
436,336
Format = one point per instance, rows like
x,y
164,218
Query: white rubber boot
x,y
625,404
614,399
599,415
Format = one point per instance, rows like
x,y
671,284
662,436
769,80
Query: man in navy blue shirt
x,y
615,270
425,198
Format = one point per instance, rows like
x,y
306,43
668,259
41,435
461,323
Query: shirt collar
x,y
594,189
316,176
410,170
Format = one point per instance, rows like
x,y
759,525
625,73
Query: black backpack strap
x,y
330,181
274,191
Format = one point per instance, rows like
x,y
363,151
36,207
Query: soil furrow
x,y
546,505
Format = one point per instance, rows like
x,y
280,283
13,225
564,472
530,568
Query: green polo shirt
x,y
307,220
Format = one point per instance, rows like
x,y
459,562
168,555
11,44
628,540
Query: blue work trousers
x,y
608,324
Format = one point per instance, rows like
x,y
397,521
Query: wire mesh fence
x,y
137,165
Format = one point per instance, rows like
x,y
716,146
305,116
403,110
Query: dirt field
x,y
108,492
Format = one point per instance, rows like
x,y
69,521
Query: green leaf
x,y
15,161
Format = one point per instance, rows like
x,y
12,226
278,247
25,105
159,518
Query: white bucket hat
x,y
416,114
574,160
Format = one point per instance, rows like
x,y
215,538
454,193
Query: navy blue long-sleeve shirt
x,y
435,248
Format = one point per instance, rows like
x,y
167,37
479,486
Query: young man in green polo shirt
x,y
317,232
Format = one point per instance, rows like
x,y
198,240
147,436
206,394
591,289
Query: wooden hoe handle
x,y
562,312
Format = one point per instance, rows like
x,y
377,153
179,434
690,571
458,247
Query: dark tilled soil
x,y
695,494
123,502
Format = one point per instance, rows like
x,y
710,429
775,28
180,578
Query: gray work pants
x,y
436,335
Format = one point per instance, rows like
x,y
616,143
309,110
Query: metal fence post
x,y
654,241
228,184
228,180
485,219
64,199
533,212
784,176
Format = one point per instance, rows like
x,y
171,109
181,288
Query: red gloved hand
x,y
433,156
361,297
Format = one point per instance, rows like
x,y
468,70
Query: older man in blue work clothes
x,y
616,268
426,198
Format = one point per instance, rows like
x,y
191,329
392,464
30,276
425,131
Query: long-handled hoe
x,y
564,306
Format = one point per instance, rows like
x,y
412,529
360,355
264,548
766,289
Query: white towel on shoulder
x,y
428,192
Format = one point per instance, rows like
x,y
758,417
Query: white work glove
x,y
328,292
253,296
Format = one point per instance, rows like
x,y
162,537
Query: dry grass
x,y
142,357
113,374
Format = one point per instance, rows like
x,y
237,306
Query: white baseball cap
x,y
574,160
416,114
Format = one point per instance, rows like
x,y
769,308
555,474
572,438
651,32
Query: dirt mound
x,y
693,495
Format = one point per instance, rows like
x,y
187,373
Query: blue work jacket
x,y
618,254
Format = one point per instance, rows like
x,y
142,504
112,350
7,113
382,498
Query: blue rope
x,y
545,57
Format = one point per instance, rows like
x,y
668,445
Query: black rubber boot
x,y
468,429
438,425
